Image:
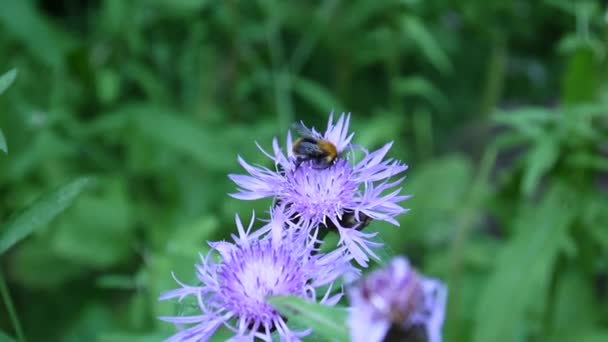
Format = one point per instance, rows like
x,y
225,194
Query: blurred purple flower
x,y
344,196
397,301
233,291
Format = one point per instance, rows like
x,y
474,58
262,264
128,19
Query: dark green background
x,y
499,107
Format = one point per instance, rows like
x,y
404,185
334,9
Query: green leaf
x,y
523,269
7,79
539,161
581,80
509,140
41,212
421,87
527,121
573,293
417,31
27,25
587,160
325,321
3,146
10,308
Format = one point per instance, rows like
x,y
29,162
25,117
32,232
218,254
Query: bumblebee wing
x,y
308,149
302,130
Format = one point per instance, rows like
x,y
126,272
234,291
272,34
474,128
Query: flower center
x,y
255,272
315,194
394,296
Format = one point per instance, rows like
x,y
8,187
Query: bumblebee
x,y
308,147
348,220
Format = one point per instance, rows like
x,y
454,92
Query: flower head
x,y
344,196
397,301
233,291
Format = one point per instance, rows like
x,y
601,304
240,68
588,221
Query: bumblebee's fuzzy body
x,y
321,152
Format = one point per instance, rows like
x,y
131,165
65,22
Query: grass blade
x,y
3,146
41,212
12,313
523,268
7,79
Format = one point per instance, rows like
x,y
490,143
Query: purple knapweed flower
x,y
396,301
232,292
344,196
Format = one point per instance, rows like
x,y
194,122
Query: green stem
x,y
464,228
495,76
10,308
306,45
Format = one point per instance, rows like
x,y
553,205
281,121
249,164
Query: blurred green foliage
x,y
156,98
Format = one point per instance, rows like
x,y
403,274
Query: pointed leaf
x,y
421,87
42,40
540,160
325,321
581,81
522,273
3,146
41,212
528,121
7,79
415,30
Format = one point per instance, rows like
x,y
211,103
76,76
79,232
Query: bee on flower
x,y
321,188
